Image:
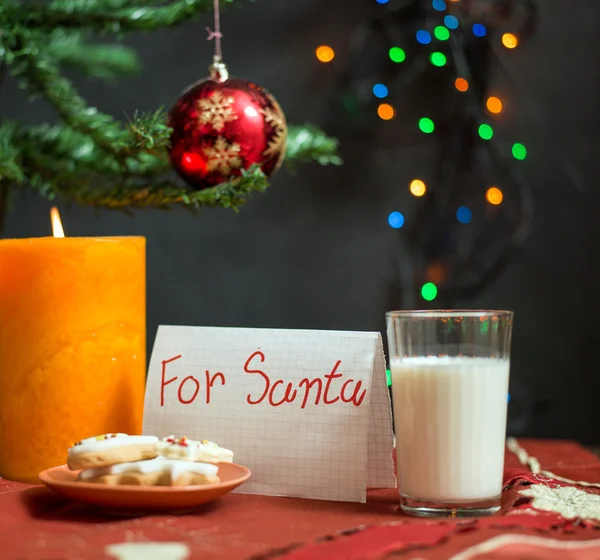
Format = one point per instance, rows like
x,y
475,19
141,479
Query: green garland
x,y
90,158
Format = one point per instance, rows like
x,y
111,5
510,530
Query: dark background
x,y
316,250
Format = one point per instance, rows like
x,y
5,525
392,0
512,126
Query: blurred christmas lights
x,y
441,33
417,187
429,291
426,125
380,91
509,40
386,112
464,215
494,196
479,30
423,37
435,273
437,59
494,105
486,132
397,54
519,151
461,84
396,220
325,53
451,22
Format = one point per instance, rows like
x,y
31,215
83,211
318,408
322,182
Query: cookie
x,y
109,449
153,472
191,450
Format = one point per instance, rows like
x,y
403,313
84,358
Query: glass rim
x,y
443,313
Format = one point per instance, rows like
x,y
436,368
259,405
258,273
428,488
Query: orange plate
x,y
136,500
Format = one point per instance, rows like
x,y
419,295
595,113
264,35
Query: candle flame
x,y
57,228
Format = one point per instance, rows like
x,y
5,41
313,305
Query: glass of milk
x,y
450,373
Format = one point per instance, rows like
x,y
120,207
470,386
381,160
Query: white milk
x,y
450,421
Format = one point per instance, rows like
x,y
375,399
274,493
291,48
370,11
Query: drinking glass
x,y
450,372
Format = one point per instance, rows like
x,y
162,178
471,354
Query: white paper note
x,y
308,412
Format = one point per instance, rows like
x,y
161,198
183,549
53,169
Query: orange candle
x,y
72,346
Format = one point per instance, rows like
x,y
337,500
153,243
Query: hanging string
x,y
216,34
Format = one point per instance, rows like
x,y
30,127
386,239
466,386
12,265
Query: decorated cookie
x,y
153,472
191,450
109,449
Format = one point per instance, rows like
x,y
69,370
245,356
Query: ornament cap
x,y
218,70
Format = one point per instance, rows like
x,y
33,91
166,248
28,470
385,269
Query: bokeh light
x,y
382,1
426,125
437,58
423,37
509,40
386,112
397,54
519,151
379,90
494,105
396,220
435,273
494,196
429,291
325,53
417,187
461,84
464,215
486,132
451,22
439,5
479,30
441,33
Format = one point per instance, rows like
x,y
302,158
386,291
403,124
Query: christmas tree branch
x,y
63,150
10,170
134,194
92,158
40,75
149,131
103,61
114,15
60,161
308,143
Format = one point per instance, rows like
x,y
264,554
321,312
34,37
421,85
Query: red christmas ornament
x,y
222,125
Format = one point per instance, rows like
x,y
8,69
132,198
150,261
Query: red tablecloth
x,y
38,524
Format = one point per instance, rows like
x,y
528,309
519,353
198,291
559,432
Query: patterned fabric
x,y
541,518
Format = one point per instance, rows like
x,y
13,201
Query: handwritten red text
x,y
277,397
189,387
327,389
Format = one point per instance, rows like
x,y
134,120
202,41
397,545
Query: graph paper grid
x,y
322,451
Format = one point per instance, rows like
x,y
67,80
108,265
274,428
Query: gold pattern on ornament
x,y
216,110
222,156
275,118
